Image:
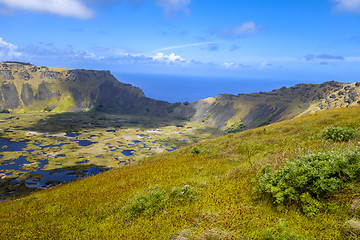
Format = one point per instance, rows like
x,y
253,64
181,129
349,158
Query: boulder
x,y
34,69
346,88
355,208
25,75
351,229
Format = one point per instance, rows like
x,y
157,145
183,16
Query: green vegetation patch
x,y
157,200
339,134
4,111
308,179
236,127
282,233
173,106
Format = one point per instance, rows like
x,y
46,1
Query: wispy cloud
x,y
247,28
323,57
234,48
232,65
183,46
213,47
347,6
78,8
66,8
8,50
173,6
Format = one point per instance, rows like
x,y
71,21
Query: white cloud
x,y
8,50
66,8
127,56
172,6
347,5
232,65
247,28
171,58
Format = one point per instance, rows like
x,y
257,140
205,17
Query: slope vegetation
x,y
197,192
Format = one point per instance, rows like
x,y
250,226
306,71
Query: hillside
x,y
245,111
28,88
202,192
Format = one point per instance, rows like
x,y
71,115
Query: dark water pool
x,y
128,152
11,146
16,164
72,134
84,143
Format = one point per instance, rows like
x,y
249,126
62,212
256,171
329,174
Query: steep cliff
x,y
26,88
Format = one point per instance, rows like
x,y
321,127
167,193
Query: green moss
x,y
65,104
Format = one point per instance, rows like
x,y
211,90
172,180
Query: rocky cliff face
x,y
26,88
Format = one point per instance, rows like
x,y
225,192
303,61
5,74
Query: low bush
x,y
281,233
47,109
338,134
156,200
310,178
195,150
4,111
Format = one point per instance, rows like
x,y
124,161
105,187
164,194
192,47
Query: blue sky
x,y
278,39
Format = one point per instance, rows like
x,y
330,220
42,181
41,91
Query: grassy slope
x,y
226,206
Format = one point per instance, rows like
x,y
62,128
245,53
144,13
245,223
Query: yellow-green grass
x,y
222,173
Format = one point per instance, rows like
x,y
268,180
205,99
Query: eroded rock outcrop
x,y
6,73
27,94
10,96
51,74
43,92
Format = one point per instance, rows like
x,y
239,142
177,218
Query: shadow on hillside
x,y
77,121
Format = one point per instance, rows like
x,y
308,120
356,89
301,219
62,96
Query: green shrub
x,y
310,178
146,204
156,200
236,127
338,134
47,109
281,233
4,111
195,150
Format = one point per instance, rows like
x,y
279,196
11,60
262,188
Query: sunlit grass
x,y
223,174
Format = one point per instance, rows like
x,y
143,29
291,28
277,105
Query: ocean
x,y
177,88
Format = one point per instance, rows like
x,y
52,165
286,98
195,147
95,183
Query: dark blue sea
x,y
178,88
